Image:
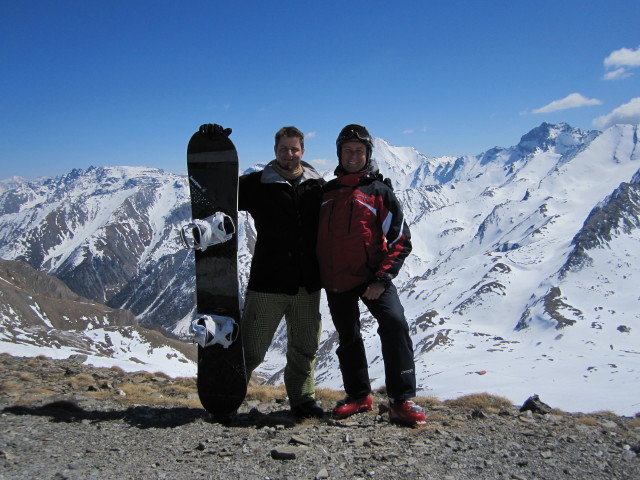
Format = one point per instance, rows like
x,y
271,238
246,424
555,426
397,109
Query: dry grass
x,y
138,392
34,362
147,398
437,417
426,402
10,387
266,393
81,380
106,395
190,403
40,392
26,377
181,392
178,390
588,420
605,413
187,382
328,395
481,401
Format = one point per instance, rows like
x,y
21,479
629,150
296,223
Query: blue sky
x,y
127,82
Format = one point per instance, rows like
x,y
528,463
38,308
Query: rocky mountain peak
x,y
558,138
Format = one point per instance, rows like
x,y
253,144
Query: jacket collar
x,y
269,174
368,174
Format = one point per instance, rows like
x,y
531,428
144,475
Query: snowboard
x,y
212,166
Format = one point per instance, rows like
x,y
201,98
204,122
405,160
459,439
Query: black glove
x,y
213,129
384,278
386,181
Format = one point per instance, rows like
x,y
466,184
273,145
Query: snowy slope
x,y
523,263
39,315
483,290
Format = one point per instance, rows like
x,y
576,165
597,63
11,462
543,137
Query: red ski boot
x,y
407,413
349,406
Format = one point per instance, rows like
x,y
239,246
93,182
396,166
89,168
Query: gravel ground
x,y
60,419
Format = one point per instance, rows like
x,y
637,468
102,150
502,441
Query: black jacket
x,y
286,221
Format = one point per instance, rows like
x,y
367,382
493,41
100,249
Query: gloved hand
x,y
212,129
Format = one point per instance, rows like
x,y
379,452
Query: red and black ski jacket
x,y
362,235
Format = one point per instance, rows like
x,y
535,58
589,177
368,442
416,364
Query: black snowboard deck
x,y
212,165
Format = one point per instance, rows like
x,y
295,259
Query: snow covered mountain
x,y
41,315
10,183
104,232
522,268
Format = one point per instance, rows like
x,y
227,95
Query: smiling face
x,y
289,153
353,156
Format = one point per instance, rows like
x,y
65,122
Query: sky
x,y
87,83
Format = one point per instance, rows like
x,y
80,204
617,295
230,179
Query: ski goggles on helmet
x,y
355,133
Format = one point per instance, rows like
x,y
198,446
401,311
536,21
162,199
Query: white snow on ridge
x,y
161,362
487,307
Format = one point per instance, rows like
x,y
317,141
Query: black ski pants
x,y
397,348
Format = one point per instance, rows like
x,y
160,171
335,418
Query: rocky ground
x,y
61,419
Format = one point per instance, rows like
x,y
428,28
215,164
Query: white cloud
x,y
311,135
410,131
617,74
573,100
628,113
621,61
625,57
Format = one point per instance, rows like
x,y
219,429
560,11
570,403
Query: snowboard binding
x,y
211,330
213,230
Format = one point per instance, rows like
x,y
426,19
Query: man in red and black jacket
x,y
362,243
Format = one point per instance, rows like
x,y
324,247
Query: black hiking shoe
x,y
223,418
308,409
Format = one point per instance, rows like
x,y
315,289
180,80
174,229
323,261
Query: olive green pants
x,y
260,319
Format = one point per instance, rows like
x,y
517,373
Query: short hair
x,y
291,132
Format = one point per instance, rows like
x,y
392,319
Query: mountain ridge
x,y
511,257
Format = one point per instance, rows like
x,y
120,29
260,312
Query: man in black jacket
x,y
284,201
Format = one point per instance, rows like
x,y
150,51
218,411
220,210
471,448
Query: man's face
x,y
354,156
289,153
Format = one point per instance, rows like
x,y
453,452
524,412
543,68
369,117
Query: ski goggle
x,y
353,132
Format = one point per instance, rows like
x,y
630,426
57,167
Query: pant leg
x,y
303,338
397,347
260,318
351,352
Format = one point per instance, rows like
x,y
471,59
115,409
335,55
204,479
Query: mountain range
x,y
520,280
